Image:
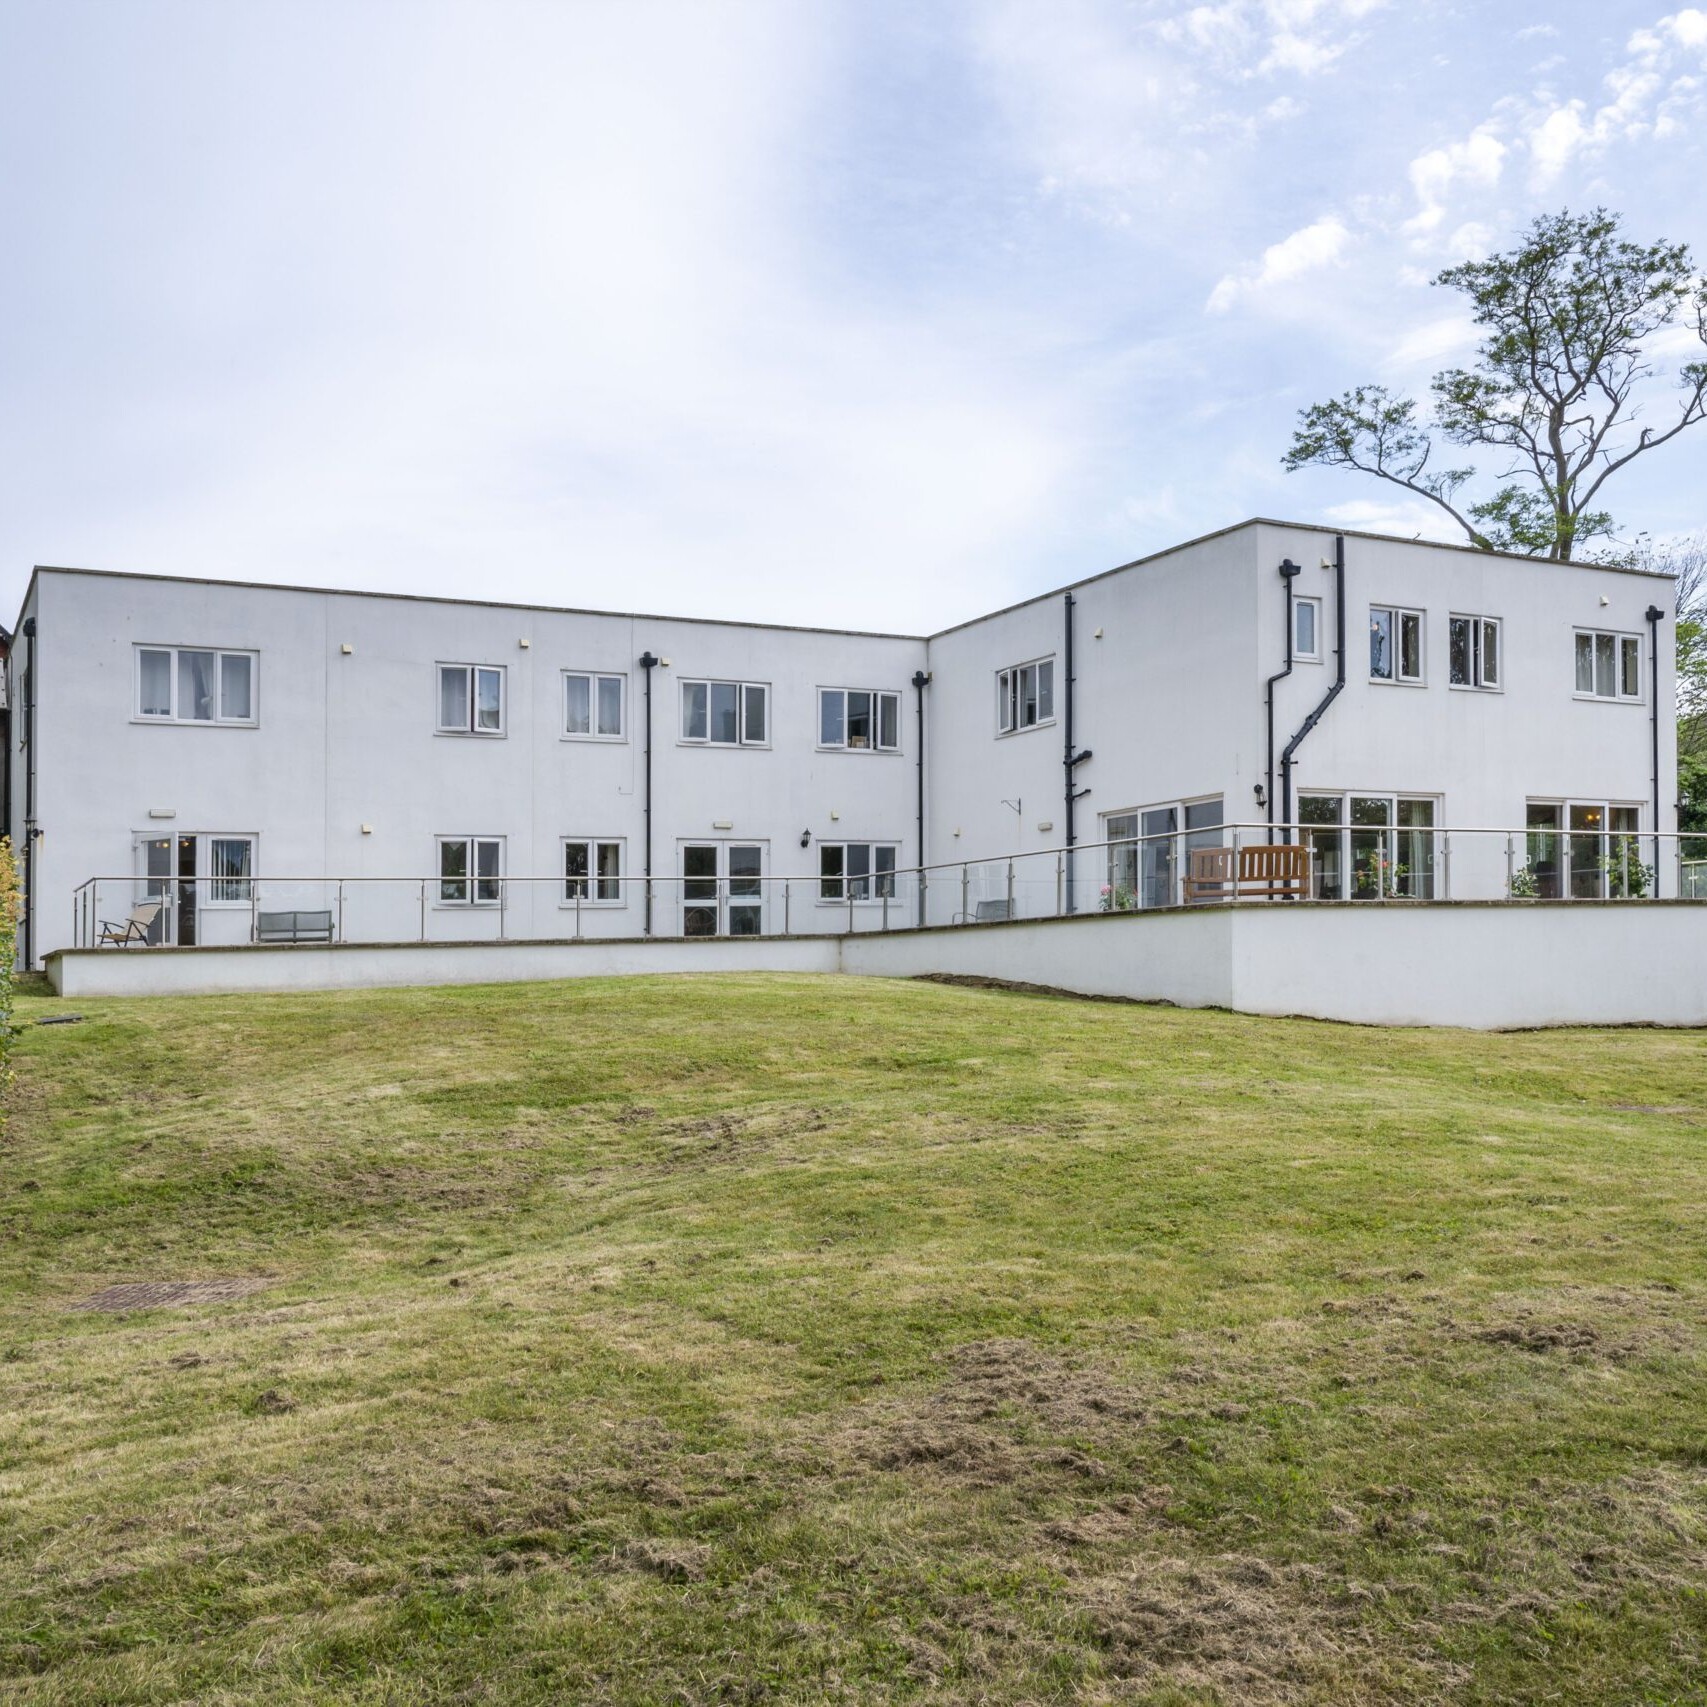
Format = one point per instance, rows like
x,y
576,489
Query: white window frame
x,y
1010,691
1563,834
1314,655
211,897
475,671
742,689
871,880
1391,832
1480,681
1621,640
220,654
1397,615
593,679
471,880
877,744
595,880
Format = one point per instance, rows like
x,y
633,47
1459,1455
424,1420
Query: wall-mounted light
x,y
1047,825
367,829
1097,635
723,823
347,649
835,817
162,812
1261,793
524,643
1604,599
806,838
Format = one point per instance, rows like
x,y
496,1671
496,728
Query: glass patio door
x,y
169,876
722,889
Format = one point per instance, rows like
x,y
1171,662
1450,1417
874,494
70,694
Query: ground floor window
x,y
856,871
471,870
230,869
1149,850
1585,849
592,870
1369,847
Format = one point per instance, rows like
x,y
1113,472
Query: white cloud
x,y
1477,161
1428,345
1317,245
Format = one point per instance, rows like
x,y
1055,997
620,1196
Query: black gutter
x,y
648,662
28,630
1329,697
1071,760
921,681
1289,572
1655,614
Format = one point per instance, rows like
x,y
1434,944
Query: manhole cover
x,y
164,1294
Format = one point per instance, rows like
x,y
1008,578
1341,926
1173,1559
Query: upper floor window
x,y
592,705
726,714
471,870
859,720
1025,695
1307,630
1609,666
182,684
1395,644
1474,652
471,699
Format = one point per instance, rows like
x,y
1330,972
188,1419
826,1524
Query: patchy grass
x,y
789,1339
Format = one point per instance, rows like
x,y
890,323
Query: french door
x,y
168,871
723,888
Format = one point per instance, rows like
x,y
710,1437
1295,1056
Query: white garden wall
x,y
1467,964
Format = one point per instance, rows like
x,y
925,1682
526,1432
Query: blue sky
x,y
871,314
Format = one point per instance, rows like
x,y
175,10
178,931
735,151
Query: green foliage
x,y
1554,393
797,1340
1692,795
11,905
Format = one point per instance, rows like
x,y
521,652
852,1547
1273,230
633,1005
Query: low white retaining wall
x,y
1469,964
365,966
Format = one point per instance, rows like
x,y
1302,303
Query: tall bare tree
x,y
1557,388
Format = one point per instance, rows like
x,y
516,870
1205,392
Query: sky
x,y
865,314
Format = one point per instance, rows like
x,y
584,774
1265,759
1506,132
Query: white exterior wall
x,y
347,740
1489,966
1169,699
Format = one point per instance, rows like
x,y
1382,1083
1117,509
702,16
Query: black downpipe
x,y
30,830
1655,614
921,681
1329,697
1071,760
648,662
1289,572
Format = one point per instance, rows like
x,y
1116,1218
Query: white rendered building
x,y
422,768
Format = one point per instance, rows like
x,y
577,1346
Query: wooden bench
x,y
294,927
1264,871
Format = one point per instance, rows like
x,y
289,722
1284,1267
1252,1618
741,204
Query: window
x,y
856,871
1147,851
1369,847
1585,849
1395,644
471,699
726,714
592,870
1609,666
230,869
1025,696
592,706
1307,630
181,684
859,720
1474,652
470,870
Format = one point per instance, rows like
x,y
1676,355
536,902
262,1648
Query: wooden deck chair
x,y
133,929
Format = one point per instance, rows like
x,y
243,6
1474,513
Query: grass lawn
x,y
767,1339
